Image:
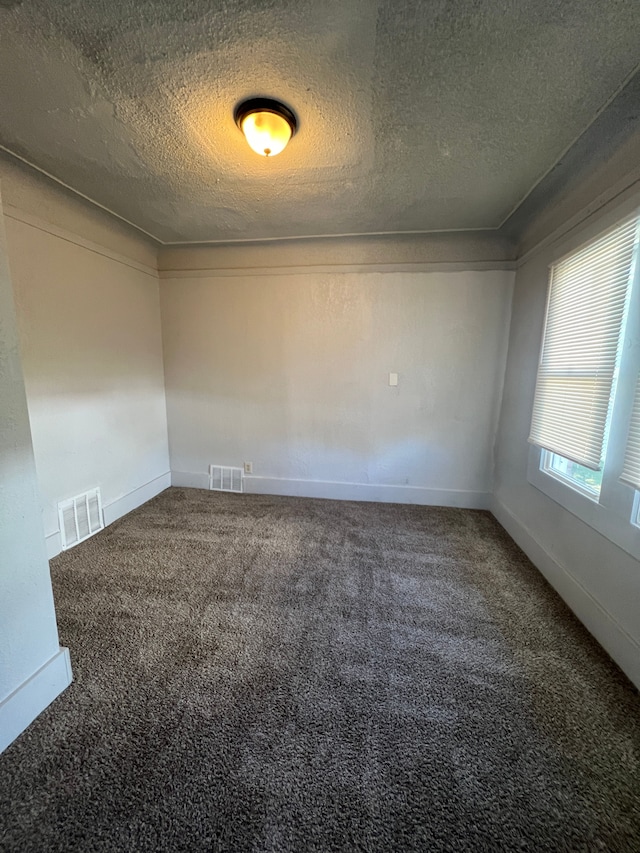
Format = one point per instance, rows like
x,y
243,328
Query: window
x,y
580,477
635,516
585,425
631,470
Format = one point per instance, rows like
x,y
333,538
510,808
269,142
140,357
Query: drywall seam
x,y
20,708
602,204
355,269
68,236
612,636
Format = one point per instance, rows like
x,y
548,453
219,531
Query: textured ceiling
x,y
413,116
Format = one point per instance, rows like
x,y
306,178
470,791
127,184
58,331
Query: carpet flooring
x,y
275,674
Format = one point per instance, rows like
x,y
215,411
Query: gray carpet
x,y
274,674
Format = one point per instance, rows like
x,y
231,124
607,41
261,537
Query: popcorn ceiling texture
x,y
413,116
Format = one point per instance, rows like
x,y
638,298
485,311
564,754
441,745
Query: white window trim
x,y
614,523
635,515
615,513
545,466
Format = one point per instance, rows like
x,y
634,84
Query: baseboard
x,y
54,544
190,480
366,492
117,508
620,645
22,706
335,490
121,506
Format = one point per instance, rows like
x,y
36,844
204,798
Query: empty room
x,y
319,425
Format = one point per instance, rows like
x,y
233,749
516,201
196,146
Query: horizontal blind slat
x,y
588,294
623,231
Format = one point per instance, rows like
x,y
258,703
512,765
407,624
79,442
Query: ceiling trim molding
x,y
79,194
554,166
192,244
18,215
171,244
346,269
620,199
385,253
212,244
598,167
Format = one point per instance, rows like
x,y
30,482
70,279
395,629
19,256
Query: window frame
x,y
546,466
635,514
615,513
613,522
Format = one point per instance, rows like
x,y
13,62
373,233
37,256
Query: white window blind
x,y
631,471
585,311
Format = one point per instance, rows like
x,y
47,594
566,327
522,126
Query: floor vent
x,y
222,478
80,518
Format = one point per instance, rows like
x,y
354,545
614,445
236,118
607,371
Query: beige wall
x,y
89,323
28,632
599,580
468,250
290,372
28,194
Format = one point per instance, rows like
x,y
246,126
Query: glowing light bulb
x,y
267,125
267,133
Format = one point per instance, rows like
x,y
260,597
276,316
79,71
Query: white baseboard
x,y
54,544
117,508
366,492
620,645
335,490
22,706
190,479
121,506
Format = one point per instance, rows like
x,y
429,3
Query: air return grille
x,y
222,478
80,517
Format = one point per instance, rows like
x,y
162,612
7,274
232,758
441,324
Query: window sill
x,y
615,525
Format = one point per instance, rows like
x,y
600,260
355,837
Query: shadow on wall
x,y
114,438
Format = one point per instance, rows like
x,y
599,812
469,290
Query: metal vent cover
x,y
224,478
80,518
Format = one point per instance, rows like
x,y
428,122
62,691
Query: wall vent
x,y
223,478
80,518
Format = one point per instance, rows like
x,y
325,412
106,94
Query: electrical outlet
x,y
248,467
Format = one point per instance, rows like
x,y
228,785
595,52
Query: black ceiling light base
x,y
262,105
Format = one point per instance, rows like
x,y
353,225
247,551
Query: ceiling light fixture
x,y
267,125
